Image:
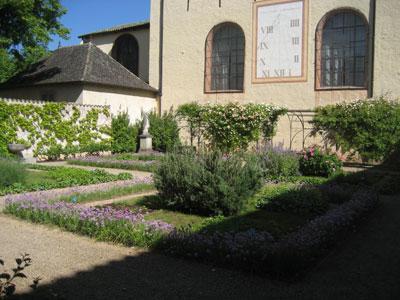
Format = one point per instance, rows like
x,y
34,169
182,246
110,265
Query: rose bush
x,y
315,163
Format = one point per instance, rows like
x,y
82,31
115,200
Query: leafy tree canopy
x,y
26,27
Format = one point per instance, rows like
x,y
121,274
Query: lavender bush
x,y
105,224
259,252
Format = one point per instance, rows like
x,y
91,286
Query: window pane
x,y
227,58
126,52
343,51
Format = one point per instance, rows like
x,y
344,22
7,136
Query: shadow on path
x,y
366,266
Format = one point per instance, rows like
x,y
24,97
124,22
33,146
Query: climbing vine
x,y
51,129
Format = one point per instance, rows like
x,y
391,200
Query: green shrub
x,y
315,163
280,165
295,199
57,152
11,171
124,135
164,131
232,126
370,127
207,183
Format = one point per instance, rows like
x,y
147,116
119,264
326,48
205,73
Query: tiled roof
x,y
136,25
83,63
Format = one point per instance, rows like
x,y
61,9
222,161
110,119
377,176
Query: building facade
x,y
300,54
83,74
128,44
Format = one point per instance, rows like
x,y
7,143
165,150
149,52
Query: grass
x,y
277,223
110,194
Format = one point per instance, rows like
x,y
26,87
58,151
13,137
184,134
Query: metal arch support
x,y
298,116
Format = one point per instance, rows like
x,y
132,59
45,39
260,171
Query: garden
x,y
221,199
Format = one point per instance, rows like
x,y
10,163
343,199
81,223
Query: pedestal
x,y
146,143
28,157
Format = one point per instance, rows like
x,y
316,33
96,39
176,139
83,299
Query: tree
x,y
26,28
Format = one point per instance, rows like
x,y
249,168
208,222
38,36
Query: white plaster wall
x,y
387,52
61,92
67,114
120,100
106,41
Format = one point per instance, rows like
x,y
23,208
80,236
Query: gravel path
x,y
366,266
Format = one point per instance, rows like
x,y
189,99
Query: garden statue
x,y
146,123
146,141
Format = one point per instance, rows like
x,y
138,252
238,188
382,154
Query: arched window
x,y
342,50
126,52
224,61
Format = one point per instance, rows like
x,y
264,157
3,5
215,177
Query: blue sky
x,y
85,16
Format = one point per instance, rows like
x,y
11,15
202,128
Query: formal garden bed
x,y
126,161
227,210
268,212
20,180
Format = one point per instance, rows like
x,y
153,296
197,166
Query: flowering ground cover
x,y
69,192
106,224
117,162
47,178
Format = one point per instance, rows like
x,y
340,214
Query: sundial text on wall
x,y
280,41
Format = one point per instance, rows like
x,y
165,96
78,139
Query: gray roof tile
x,y
84,63
123,27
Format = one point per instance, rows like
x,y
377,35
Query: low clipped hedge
x,y
258,252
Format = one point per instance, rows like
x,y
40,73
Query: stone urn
x,y
17,149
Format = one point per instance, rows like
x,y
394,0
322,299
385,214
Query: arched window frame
x,y
318,46
137,60
208,63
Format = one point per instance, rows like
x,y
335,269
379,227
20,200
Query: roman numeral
x,y
266,73
295,23
263,46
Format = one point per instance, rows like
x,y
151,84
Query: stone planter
x,y
18,150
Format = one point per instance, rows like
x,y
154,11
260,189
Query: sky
x,y
84,16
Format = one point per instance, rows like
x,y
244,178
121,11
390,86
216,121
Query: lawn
x,y
277,223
